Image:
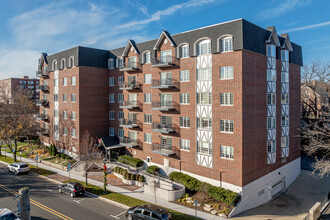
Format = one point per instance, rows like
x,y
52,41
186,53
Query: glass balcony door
x,y
166,100
166,79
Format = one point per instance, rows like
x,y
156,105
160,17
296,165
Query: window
x,y
65,130
65,97
147,98
271,122
147,78
285,77
111,132
271,75
285,120
226,44
271,98
166,56
204,74
111,98
204,47
204,148
204,98
63,64
73,97
55,97
147,138
120,80
227,98
132,62
184,98
184,52
184,76
184,122
148,118
56,82
271,50
119,62
120,115
65,81
184,144
54,67
226,152
204,123
71,62
120,98
73,115
120,132
111,81
73,81
285,141
227,72
65,114
73,132
112,115
111,63
146,57
44,97
285,98
56,113
271,146
285,55
227,126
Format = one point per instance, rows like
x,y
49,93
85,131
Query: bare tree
x,y
89,153
315,112
66,141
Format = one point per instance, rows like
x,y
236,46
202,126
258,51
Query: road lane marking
x,y
116,216
38,204
49,190
78,201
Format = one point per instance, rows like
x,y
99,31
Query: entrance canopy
x,y
109,142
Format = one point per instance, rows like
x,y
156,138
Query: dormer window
x,y
271,50
71,61
146,57
226,44
285,55
184,51
111,63
119,62
54,67
63,64
203,47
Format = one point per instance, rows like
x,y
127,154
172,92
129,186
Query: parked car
x,y
18,168
147,211
6,214
72,188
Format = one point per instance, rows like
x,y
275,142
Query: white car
x,y
6,214
19,167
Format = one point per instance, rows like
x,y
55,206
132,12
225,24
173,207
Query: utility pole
x,y
25,203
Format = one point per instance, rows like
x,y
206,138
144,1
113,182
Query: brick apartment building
x,y
211,102
29,86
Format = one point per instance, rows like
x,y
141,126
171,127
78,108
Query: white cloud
x,y
306,27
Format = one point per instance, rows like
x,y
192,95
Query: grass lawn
x,y
126,200
7,159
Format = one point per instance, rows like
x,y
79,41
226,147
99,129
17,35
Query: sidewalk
x,y
138,194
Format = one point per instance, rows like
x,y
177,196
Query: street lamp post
x,y
105,176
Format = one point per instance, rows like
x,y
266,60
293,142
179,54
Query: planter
x,y
141,184
129,182
118,175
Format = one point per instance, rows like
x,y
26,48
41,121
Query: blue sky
x,y
30,27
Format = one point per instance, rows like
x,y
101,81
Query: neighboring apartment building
x,y
25,84
211,102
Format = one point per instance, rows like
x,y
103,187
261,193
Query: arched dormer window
x,y
146,57
203,47
63,66
71,61
225,43
54,66
119,62
111,63
183,51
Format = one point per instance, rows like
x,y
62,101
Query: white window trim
x,y
112,79
226,158
219,41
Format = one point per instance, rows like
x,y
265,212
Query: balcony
x,y
130,67
43,131
43,88
165,150
129,86
167,83
42,117
163,128
164,61
164,106
128,142
42,103
127,123
40,73
130,104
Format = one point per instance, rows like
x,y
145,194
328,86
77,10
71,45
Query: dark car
x,y
148,211
72,188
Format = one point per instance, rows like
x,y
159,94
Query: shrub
x,y
133,177
129,176
153,170
141,179
134,162
63,156
123,171
137,177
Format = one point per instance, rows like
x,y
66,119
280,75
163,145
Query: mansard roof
x,y
130,43
160,39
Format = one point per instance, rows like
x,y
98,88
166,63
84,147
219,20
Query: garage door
x,y
277,187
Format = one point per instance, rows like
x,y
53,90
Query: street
x,y
48,203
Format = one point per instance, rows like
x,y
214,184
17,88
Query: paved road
x,y
48,203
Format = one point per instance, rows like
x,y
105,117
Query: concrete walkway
x,y
295,203
138,194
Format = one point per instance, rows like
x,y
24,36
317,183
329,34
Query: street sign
x,y
13,150
37,157
196,203
69,166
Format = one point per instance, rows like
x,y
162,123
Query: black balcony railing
x,y
129,86
42,102
127,123
165,61
43,88
164,128
128,142
43,117
129,104
130,66
165,150
43,131
42,73
164,105
166,83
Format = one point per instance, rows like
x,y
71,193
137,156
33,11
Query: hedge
x,y
129,176
191,183
153,169
134,162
